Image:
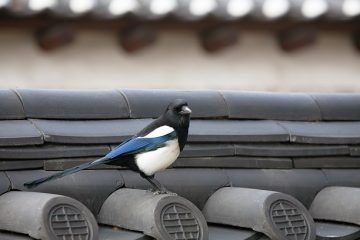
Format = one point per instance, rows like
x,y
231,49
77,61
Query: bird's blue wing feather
x,y
136,145
132,146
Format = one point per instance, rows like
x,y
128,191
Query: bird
x,y
153,149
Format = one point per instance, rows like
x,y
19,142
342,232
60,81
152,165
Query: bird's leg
x,y
150,179
152,182
159,188
163,190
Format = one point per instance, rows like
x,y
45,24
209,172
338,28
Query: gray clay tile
x,y
338,106
327,162
264,238
89,132
338,204
303,184
234,162
196,185
290,150
10,105
4,183
152,103
208,150
224,232
256,209
274,106
19,132
154,215
52,151
4,235
336,231
323,132
354,150
65,163
236,131
60,104
21,165
108,233
91,187
343,177
116,131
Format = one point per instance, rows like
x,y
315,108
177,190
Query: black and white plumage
x,y
153,149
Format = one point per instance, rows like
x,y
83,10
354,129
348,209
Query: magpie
x,y
153,149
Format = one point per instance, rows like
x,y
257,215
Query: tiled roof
x,y
296,144
188,9
217,23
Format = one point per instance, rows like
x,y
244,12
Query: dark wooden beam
x,y
88,22
136,38
356,40
297,38
55,36
218,38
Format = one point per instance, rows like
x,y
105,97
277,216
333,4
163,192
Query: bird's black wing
x,y
132,146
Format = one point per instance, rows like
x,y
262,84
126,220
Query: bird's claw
x,y
159,192
162,191
171,193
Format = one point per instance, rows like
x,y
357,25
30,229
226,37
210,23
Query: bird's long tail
x,y
72,170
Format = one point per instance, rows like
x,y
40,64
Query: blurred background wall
x,y
177,59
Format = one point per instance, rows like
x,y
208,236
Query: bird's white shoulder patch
x,y
160,131
159,159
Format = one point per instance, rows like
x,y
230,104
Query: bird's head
x,y
179,112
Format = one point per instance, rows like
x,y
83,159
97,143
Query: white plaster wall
x,y
177,61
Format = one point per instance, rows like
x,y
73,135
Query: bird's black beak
x,y
185,110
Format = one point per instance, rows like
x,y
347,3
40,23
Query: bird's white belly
x,y
159,159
